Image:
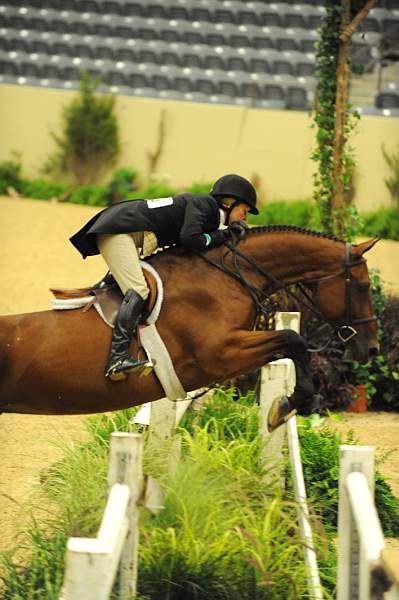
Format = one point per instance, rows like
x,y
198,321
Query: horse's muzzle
x,y
361,350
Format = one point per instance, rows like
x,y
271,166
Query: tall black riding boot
x,y
119,361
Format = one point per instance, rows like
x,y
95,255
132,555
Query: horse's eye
x,y
363,285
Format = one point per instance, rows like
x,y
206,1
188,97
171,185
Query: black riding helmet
x,y
235,186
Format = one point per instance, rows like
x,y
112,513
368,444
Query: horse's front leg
x,y
255,349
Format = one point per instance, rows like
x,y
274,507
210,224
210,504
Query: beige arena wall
x,y
202,142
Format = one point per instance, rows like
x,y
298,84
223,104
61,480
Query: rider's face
x,y
239,213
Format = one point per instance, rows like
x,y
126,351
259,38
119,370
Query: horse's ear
x,y
365,246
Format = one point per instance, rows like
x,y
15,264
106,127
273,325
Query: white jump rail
x,y
278,380
162,417
361,541
93,564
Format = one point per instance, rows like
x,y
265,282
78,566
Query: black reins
x,y
345,332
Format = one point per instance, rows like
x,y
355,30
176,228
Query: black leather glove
x,y
219,237
238,229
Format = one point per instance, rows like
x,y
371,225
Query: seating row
x,y
280,14
142,51
159,29
127,78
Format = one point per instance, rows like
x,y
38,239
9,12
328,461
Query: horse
x,y
52,362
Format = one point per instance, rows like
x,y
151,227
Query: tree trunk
x,y
341,100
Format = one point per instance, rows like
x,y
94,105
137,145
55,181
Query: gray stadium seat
x,y
205,86
179,11
260,65
273,91
8,67
112,7
223,14
125,53
83,50
213,61
387,99
183,85
104,52
297,98
282,66
133,8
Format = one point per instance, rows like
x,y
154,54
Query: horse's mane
x,y
177,251
292,229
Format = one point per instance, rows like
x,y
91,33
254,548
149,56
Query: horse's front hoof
x,y
279,413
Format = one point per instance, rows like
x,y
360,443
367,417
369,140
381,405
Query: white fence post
x,y
350,561
92,563
162,416
360,538
314,584
277,379
126,460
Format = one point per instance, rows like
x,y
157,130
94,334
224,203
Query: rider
x,y
120,232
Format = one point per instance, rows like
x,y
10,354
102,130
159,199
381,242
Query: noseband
x,y
344,332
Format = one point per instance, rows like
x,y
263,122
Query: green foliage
x,y
93,195
392,182
10,175
154,190
122,184
320,460
200,187
324,120
335,376
384,369
381,374
41,189
42,578
383,223
297,213
219,535
89,140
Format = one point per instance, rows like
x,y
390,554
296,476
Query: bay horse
x,y
52,362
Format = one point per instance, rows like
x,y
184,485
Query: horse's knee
x,y
294,344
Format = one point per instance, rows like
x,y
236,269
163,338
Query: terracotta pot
x,y
359,400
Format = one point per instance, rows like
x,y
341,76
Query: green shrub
x,y
384,370
392,182
10,175
122,184
88,144
219,535
93,195
154,190
40,189
199,187
320,461
297,213
383,223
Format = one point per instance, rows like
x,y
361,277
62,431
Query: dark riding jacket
x,y
181,220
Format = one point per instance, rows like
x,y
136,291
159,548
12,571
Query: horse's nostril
x,y
374,351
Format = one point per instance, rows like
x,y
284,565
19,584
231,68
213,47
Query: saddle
x,y
107,294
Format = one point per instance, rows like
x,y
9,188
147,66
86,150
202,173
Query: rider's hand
x,y
239,229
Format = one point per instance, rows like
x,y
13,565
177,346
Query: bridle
x,y
344,332
347,331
